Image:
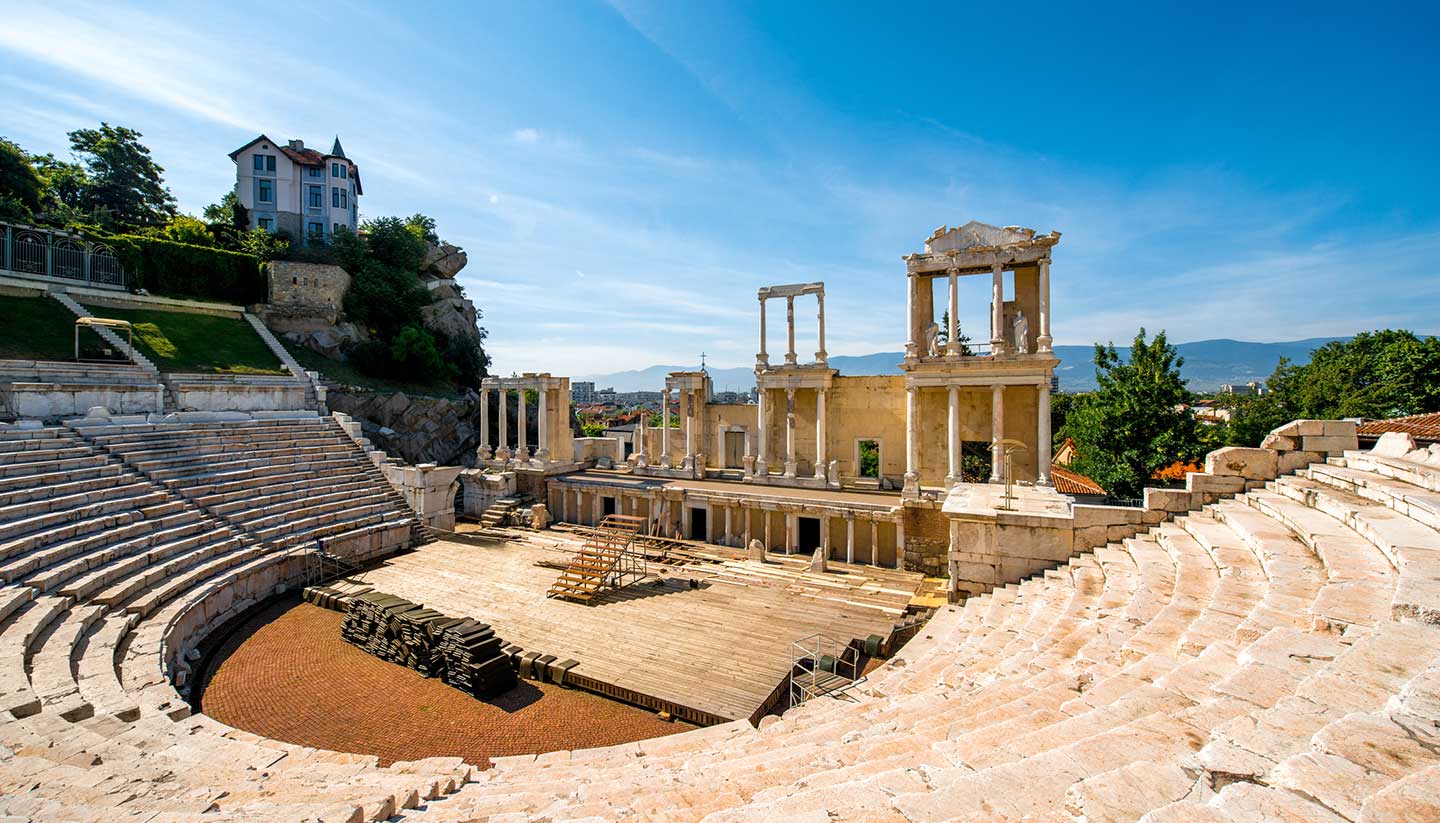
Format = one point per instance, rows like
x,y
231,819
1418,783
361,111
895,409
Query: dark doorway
x,y
699,528
607,505
809,537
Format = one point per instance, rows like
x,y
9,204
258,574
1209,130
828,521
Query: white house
x,y
299,190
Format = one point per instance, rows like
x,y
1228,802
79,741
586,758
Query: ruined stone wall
x,y
927,540
304,296
871,408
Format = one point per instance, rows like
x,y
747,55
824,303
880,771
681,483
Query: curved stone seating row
x,y
284,482
1272,656
107,588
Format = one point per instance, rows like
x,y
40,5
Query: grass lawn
x,y
344,373
39,328
178,342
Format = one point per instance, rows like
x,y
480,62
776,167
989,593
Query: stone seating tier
x,y
1275,655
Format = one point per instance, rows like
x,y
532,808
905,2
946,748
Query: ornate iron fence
x,y
39,252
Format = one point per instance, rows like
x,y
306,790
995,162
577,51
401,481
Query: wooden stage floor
x,y
722,648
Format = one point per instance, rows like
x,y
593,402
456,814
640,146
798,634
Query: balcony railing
x,y
27,250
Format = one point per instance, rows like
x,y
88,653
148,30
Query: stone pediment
x,y
977,235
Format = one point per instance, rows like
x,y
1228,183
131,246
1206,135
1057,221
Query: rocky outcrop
x,y
416,428
443,260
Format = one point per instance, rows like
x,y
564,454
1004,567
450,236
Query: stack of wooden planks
x,y
462,652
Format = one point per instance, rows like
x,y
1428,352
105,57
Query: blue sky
x,y
625,175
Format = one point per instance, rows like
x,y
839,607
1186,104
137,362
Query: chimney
x,y
297,145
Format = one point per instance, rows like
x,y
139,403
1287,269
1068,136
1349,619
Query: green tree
x,y
413,352
592,429
124,179
1138,420
64,192
20,184
228,212
392,243
185,229
385,298
422,227
1061,404
944,336
263,244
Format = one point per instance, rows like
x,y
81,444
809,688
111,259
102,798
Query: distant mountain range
x,y
1208,365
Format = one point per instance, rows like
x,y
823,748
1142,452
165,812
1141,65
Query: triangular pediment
x,y
975,234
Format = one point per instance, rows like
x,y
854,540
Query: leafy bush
x,y
168,267
385,299
184,229
392,243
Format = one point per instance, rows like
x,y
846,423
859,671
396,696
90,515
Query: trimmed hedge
x,y
178,269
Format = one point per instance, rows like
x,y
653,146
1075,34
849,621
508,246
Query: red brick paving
x,y
287,675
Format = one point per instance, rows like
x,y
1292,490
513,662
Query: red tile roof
x,y
1420,426
305,157
1068,482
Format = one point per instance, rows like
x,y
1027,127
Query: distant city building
x,y
297,190
582,391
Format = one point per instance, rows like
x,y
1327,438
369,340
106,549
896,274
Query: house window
x,y
339,226
339,198
316,231
265,191
317,197
339,170
266,223
264,162
316,171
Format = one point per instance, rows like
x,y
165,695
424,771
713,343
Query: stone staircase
x,y
1271,656
497,513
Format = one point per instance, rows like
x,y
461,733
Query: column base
x,y
502,454
821,357
762,467
749,463
950,481
1044,344
912,485
642,459
819,471
664,461
762,360
483,453
791,360
789,468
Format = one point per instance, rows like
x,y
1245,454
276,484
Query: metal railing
x,y
27,250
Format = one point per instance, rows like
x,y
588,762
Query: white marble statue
x,y
932,340
1022,333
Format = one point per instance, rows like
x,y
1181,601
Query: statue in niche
x,y
1022,333
932,340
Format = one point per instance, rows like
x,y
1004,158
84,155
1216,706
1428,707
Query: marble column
x,y
952,326
685,520
790,359
912,342
997,309
900,544
850,538
745,526
1042,453
484,451
1043,340
820,434
599,508
762,358
727,526
665,432
522,447
954,475
687,411
820,356
997,432
642,457
790,529
912,442
542,426
504,452
765,515
874,542
789,432
761,446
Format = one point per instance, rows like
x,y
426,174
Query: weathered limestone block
x,y
1236,461
1280,442
1170,500
539,517
1292,461
1332,446
818,561
757,551
1394,444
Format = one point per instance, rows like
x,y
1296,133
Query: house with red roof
x,y
288,187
